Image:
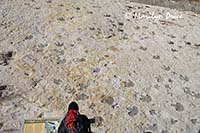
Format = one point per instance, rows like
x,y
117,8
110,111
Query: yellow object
x,y
34,128
41,126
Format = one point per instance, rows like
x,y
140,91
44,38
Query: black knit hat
x,y
73,105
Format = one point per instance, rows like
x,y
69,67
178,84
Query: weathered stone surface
x,y
106,57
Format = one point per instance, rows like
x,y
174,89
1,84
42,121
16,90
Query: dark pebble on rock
x,y
179,107
152,112
167,68
78,8
107,15
92,28
185,78
57,81
96,70
173,121
5,57
146,98
156,57
143,48
28,37
188,43
170,42
194,121
82,59
61,61
174,50
92,106
40,115
197,45
153,127
59,44
172,36
2,88
61,19
108,100
133,111
129,83
170,80
120,23
1,125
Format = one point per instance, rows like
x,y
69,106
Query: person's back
x,y
74,122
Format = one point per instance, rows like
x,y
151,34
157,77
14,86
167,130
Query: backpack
x,y
72,123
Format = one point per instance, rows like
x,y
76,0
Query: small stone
x,y
78,8
173,121
61,5
92,28
96,70
186,90
98,121
146,98
49,1
170,42
174,50
70,90
1,125
9,54
57,81
197,45
129,83
170,80
179,107
2,88
28,37
156,57
107,15
143,48
185,78
153,127
194,121
188,43
61,19
81,96
152,112
5,57
43,45
167,68
133,111
120,23
40,115
172,36
109,100
59,44
29,60
61,61
159,78
92,106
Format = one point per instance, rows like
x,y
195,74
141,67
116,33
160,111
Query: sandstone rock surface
x,y
134,74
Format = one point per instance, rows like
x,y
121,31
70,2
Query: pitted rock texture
x,y
134,75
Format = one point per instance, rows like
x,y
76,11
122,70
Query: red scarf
x,y
70,119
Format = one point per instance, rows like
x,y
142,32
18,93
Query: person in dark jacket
x,y
74,122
